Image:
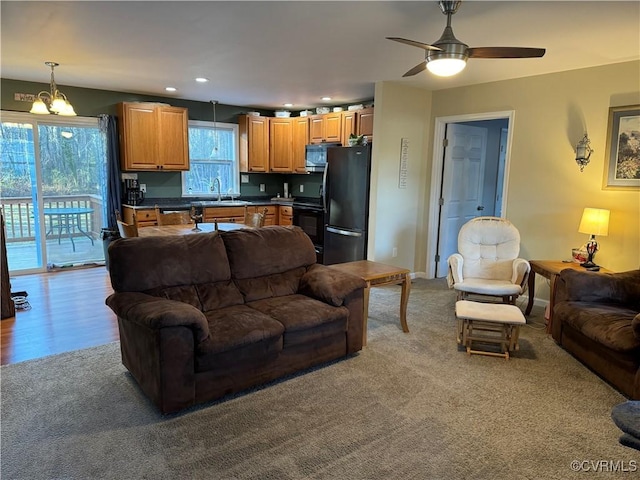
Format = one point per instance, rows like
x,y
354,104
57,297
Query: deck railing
x,y
21,219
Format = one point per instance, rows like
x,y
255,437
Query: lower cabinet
x,y
224,214
286,215
145,217
272,213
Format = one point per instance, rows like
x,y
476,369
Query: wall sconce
x,y
57,100
583,152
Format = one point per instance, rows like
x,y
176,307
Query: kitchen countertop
x,y
184,204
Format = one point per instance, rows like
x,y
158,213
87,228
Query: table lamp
x,y
595,221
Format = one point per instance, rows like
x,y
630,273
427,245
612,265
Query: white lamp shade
x,y
446,67
67,110
39,108
595,221
58,105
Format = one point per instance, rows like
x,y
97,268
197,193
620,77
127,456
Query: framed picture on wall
x,y
622,156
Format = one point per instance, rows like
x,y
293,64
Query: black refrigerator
x,y
346,203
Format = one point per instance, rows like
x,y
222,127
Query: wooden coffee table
x,y
549,269
376,275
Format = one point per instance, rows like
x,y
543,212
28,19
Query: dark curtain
x,y
114,198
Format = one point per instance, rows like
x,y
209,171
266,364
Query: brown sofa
x,y
201,316
596,318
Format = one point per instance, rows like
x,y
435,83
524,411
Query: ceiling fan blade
x,y
505,52
413,43
417,69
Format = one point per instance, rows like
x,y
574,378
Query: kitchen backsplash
x,y
169,184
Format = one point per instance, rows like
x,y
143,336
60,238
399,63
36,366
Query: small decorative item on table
x,y
196,216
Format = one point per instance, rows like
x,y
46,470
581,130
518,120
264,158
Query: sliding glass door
x,y
52,191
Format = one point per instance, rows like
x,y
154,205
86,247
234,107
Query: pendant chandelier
x,y
54,101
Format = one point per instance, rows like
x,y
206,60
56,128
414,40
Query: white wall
x,y
546,190
397,215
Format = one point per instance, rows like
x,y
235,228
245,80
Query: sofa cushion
x,y
304,318
278,284
266,251
145,263
613,288
635,324
609,325
218,295
238,335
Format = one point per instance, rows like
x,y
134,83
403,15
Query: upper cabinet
x,y
153,137
336,127
254,143
365,122
300,127
280,145
325,128
277,144
287,140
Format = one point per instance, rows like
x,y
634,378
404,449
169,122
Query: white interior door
x,y
462,184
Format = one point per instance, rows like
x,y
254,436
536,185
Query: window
x,y
213,153
52,190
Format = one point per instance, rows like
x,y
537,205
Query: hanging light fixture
x,y
56,100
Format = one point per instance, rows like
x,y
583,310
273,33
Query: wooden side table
x,y
549,269
377,275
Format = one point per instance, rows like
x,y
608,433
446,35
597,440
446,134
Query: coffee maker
x,y
132,195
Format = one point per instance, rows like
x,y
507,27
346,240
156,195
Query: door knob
x,y
480,207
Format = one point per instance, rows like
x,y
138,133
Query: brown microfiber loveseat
x,y
596,318
204,315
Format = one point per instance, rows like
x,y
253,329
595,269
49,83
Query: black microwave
x,y
316,156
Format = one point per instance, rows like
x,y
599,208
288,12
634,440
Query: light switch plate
x,y
244,178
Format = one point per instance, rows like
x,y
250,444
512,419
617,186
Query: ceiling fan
x,y
448,55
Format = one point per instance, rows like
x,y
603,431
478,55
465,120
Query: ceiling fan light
x,y
446,67
39,108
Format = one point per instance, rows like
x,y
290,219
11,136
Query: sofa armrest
x,y
454,274
329,284
155,313
613,288
521,269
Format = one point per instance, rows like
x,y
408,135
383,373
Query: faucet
x,y
213,188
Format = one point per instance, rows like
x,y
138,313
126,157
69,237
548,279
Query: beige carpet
x,y
410,406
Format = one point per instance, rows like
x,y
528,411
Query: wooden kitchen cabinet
x,y
145,217
325,128
365,122
300,141
285,216
153,136
349,127
254,143
287,140
223,214
272,213
280,145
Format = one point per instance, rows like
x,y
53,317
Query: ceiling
x,y
267,53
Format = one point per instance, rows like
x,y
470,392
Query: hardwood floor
x,y
67,313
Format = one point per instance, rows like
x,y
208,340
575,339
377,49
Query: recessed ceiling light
x,y
202,80
326,99
288,104
171,89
